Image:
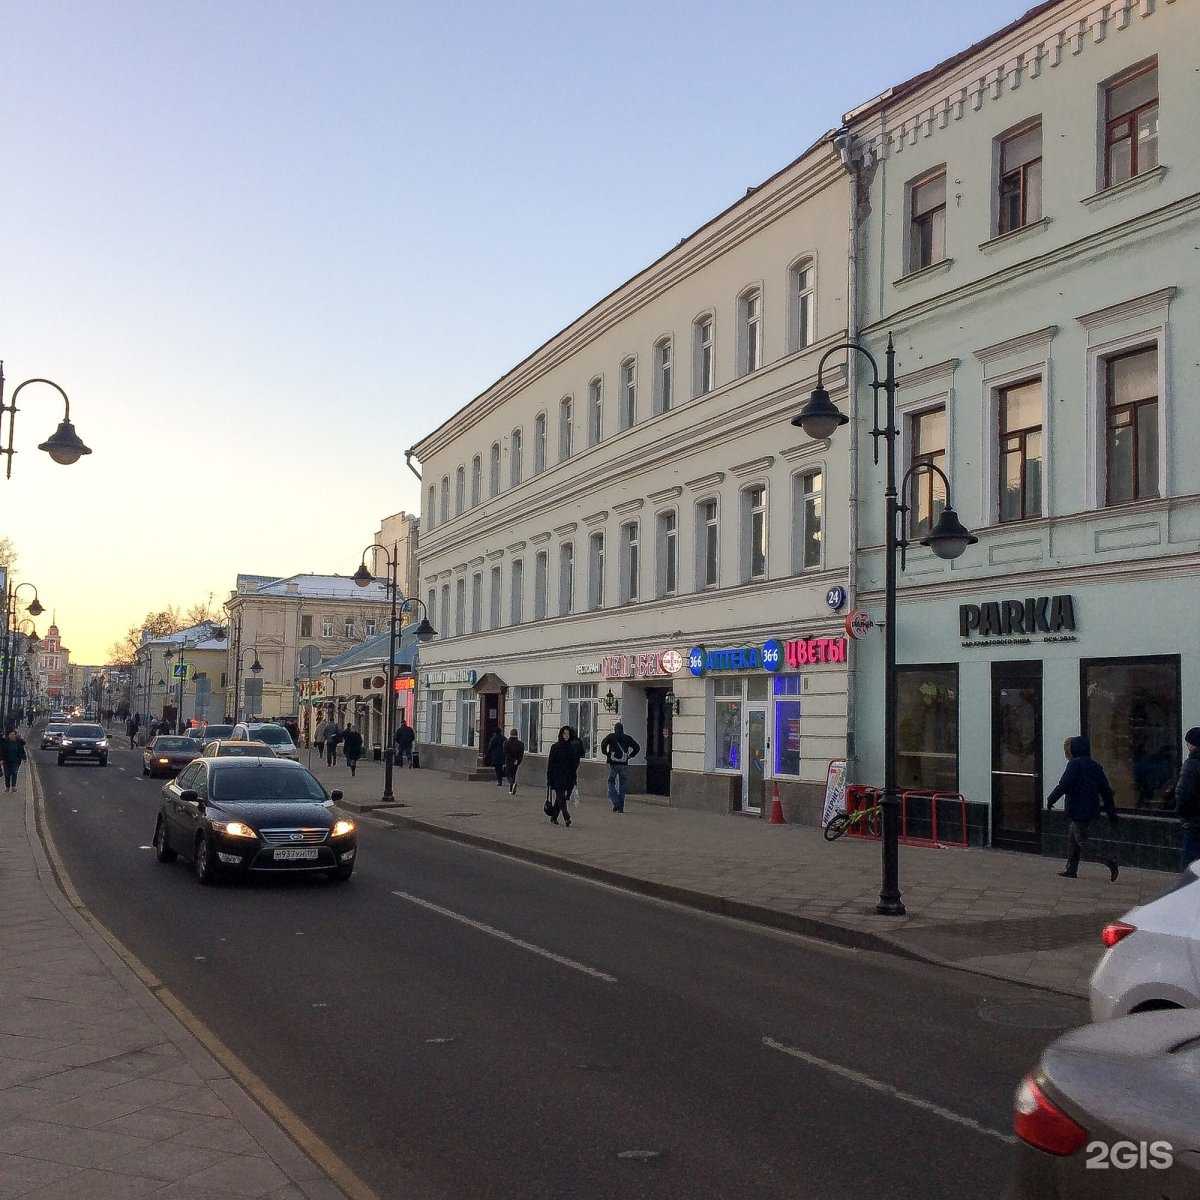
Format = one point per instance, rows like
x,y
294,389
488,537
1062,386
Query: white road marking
x,y
145,847
508,937
639,1154
886,1089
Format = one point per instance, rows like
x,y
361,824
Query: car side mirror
x,y
189,796
336,795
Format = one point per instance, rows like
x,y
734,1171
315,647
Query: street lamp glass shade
x,y
425,631
256,668
35,609
949,537
820,417
64,445
362,576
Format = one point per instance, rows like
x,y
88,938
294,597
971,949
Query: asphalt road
x,y
627,1049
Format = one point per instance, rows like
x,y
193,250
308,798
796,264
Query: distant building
x,y
193,658
53,668
399,530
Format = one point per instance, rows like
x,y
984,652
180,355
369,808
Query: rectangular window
x,y
369,628
514,458
727,740
539,444
927,229
1020,199
444,629
1131,709
494,601
1131,394
494,471
460,607
306,627
1020,416
667,554
927,441
528,703
786,689
755,528
704,355
751,332
927,748
662,376
476,480
595,411
628,393
348,627
708,545
516,583
804,306
541,567
808,520
566,578
460,490
435,701
466,717
581,712
476,602
566,428
596,571
630,563
327,627
1131,125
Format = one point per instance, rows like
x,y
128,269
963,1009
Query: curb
x,y
813,927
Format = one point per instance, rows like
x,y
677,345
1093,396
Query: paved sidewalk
x,y
1002,914
104,1095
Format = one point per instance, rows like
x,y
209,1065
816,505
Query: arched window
x,y
431,510
460,490
514,458
566,428
595,411
703,373
476,480
539,444
628,398
663,371
494,471
802,304
445,498
750,344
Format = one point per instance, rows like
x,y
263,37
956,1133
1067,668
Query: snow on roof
x,y
327,587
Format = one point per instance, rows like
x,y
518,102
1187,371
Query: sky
x,y
267,246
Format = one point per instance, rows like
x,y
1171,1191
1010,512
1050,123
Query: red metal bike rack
x,y
932,797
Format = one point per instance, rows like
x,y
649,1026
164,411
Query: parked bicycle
x,y
863,821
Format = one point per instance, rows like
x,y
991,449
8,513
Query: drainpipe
x,y
408,457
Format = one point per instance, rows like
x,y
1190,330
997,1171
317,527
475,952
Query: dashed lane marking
x,y
508,937
877,1085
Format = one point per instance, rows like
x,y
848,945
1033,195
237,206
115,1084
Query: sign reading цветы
x,y
1004,618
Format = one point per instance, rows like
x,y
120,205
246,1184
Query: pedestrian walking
x,y
325,731
1187,797
1086,788
332,741
495,755
13,749
352,747
514,751
562,769
405,739
618,748
131,729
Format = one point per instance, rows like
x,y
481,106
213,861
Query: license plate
x,y
292,853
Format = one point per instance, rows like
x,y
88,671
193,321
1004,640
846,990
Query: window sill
x,y
937,268
1014,235
1146,179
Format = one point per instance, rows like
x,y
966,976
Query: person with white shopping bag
x,y
562,769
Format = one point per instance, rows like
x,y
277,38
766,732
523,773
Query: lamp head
x,y
819,417
949,537
256,668
64,445
425,631
362,576
35,609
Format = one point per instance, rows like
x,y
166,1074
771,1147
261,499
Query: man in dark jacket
x,y
352,747
13,752
1086,788
562,768
495,755
405,737
514,751
1187,797
618,748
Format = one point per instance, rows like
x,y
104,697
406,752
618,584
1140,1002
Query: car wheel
x,y
104,761
202,860
162,851
1156,1006
342,873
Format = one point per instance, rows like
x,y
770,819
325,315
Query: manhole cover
x,y
1034,1014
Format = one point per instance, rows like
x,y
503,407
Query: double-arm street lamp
x,y
63,445
425,633
11,625
256,669
948,539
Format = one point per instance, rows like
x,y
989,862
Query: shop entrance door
x,y
658,742
754,766
1017,756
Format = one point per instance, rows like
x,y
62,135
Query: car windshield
x,y
264,783
273,735
218,731
56,727
85,731
174,743
259,751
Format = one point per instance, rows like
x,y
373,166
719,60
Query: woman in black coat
x,y
562,768
495,755
13,753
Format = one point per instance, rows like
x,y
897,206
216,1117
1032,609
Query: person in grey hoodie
x,y
1187,797
618,748
1086,788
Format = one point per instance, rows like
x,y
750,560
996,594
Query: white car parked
x,y
273,735
1153,955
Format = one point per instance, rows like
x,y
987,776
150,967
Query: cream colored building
x,y
277,618
633,491
398,531
194,657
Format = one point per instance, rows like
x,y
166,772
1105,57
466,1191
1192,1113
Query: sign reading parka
x,y
1017,618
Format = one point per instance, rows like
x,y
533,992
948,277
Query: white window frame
x,y
576,698
460,606
514,458
348,627
629,589
432,514
460,489
802,334
664,373
431,602
516,590
746,550
750,330
476,480
445,499
566,428
541,584
910,186
566,579
327,627
701,542
596,563
465,710
496,599
1039,370
941,397
666,547
627,392
494,471
799,516
369,627
444,612
476,601
698,346
539,443
595,412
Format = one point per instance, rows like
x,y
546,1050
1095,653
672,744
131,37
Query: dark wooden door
x,y
658,742
1017,755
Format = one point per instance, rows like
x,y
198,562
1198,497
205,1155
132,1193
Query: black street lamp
x,y
63,445
820,418
11,626
256,669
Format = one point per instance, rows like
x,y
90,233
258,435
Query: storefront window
x,y
927,743
787,724
529,717
466,717
727,694
1131,712
435,717
581,709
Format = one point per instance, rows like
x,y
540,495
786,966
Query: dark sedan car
x,y
236,815
167,754
84,741
1110,1113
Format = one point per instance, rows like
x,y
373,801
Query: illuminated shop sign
x,y
641,666
1018,618
771,656
807,652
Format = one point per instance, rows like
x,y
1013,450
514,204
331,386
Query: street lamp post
x,y
948,539
63,445
256,669
11,624
425,632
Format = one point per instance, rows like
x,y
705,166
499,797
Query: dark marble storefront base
x,y
1155,843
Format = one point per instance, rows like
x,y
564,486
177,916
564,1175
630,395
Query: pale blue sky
x,y
258,242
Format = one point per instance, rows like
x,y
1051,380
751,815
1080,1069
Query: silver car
x,y
273,735
52,735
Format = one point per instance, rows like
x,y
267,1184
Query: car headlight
x,y
234,829
102,745
342,828
163,762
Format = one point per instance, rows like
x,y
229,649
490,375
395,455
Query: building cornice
x,y
704,482
1139,306
596,518
627,507
1038,339
756,466
540,539
805,449
566,530
661,497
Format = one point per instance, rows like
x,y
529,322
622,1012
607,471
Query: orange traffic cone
x,y
776,806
